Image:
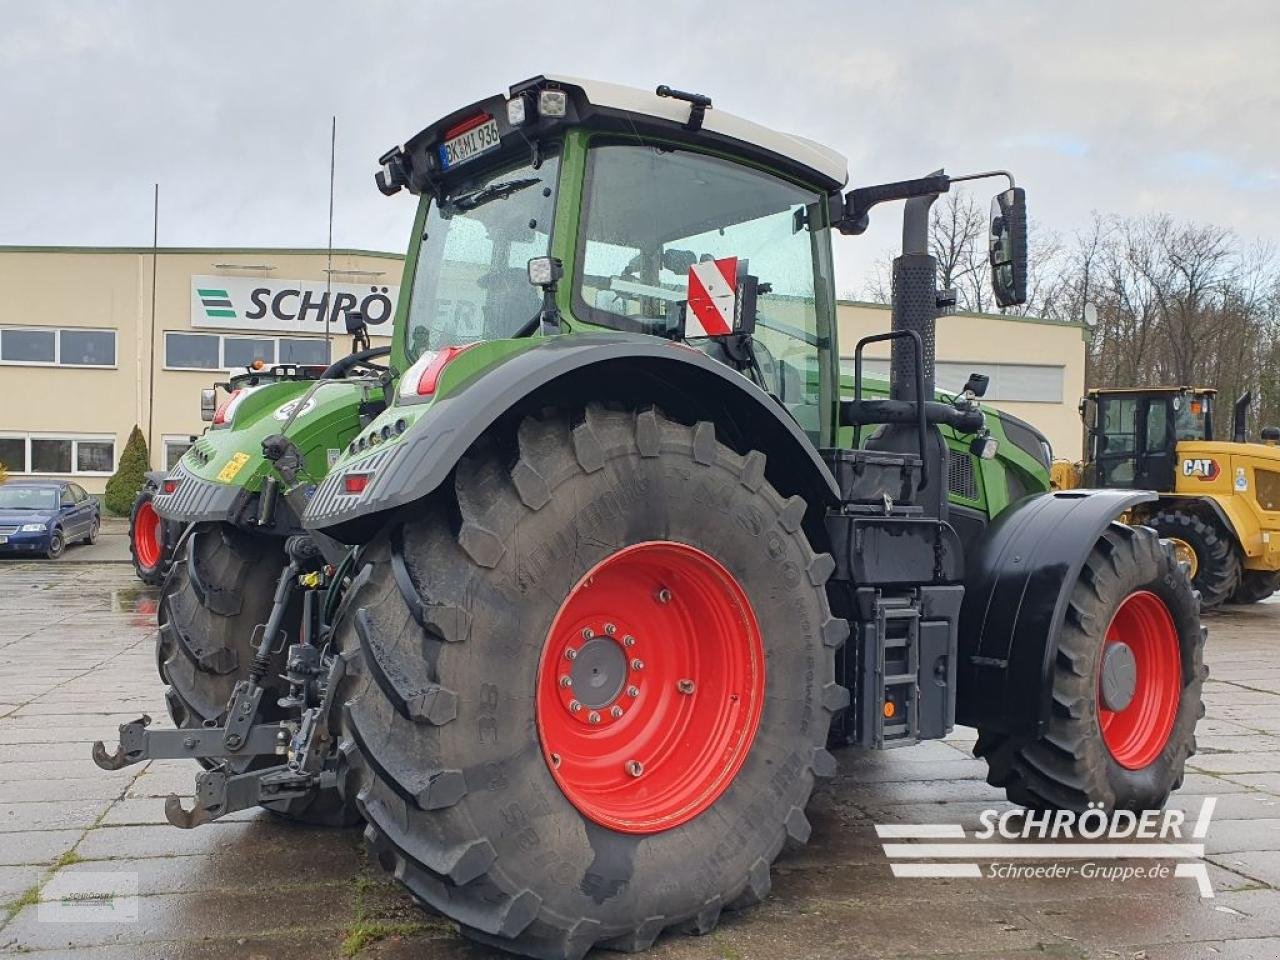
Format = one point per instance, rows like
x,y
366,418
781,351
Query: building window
x,y
28,346
1025,382
213,351
192,351
242,351
90,348
13,454
174,448
303,351
26,454
57,347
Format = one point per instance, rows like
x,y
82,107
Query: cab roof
x,y
822,160
610,108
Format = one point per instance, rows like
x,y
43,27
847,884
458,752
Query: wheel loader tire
x,y
150,538
551,801
1216,570
1256,586
216,593
1132,628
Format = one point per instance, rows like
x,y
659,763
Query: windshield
x,y
470,283
28,498
1192,415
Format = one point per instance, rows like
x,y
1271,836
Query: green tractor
x,y
611,555
151,539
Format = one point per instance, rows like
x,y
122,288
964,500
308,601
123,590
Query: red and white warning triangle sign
x,y
712,291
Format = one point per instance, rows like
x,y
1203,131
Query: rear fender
x,y
1018,581
572,370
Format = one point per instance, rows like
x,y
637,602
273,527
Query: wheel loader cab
x,y
1134,434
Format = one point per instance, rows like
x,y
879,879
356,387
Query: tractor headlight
x,y
552,103
984,447
33,528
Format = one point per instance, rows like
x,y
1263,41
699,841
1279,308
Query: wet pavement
x,y
76,660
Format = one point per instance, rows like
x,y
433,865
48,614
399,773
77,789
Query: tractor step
x,y
889,651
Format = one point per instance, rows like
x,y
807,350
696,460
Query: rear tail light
x,y
420,380
355,482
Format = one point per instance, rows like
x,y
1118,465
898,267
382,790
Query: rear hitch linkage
x,y
302,743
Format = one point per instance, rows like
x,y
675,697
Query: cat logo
x,y
1204,468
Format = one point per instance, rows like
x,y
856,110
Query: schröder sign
x,y
296,306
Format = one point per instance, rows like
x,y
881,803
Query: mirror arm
x,y
852,217
983,176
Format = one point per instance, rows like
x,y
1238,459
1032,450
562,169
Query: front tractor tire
x,y
1126,687
589,687
149,538
1207,547
215,595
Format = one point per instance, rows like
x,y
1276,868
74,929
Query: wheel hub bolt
x,y
664,595
566,681
555,759
633,691
610,629
628,641
685,686
586,633
571,654
574,706
635,768
637,664
593,717
615,712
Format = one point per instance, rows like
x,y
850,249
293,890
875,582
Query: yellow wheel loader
x,y
1219,500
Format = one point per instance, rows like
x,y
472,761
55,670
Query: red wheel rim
x,y
1137,733
650,687
147,535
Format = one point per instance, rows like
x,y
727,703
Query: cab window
x,y
652,212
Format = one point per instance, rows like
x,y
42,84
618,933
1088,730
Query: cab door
x,y
1115,441
1157,445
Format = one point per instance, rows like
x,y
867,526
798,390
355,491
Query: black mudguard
x,y
628,368
1017,584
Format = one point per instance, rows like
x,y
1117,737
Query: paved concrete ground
x,y
76,660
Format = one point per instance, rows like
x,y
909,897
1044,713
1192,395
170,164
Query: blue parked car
x,y
43,516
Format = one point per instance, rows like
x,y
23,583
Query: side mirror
x,y
208,404
355,322
1009,247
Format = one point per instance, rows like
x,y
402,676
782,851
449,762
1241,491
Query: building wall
x,y
1037,366
110,289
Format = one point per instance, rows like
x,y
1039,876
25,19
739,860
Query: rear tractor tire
x,y
1256,586
149,538
1126,687
1210,551
589,686
216,593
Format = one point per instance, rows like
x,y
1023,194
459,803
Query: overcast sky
x,y
1118,107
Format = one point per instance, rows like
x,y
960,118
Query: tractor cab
x,y
1134,433
573,206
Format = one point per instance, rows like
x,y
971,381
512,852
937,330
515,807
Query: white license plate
x,y
4,539
469,145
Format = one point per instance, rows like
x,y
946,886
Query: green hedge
x,y
129,477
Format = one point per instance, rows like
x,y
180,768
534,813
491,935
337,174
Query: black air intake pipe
x,y
915,300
